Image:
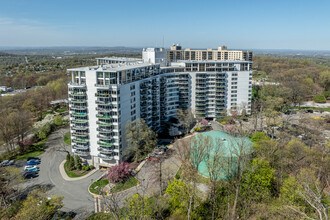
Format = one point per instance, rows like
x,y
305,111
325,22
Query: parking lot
x,y
75,193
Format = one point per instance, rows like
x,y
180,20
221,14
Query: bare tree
x,y
186,118
237,158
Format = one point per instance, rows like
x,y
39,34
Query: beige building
x,y
222,53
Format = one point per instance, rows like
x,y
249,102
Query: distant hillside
x,y
64,51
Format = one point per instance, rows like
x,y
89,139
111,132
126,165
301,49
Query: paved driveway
x,y
76,195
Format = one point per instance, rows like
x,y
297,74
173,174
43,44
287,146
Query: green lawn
x,y
67,138
97,186
33,151
313,108
72,174
125,185
31,154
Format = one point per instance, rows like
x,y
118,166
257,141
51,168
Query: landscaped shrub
x,y
91,167
326,94
58,120
119,173
319,99
197,129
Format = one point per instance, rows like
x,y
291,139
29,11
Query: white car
x,y
30,167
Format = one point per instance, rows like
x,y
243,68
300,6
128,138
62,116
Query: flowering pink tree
x,y
205,122
119,172
230,128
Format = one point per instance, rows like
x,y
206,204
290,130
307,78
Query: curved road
x,y
75,193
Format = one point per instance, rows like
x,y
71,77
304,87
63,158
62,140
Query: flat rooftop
x,y
121,59
113,67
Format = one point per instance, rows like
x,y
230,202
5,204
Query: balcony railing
x,y
104,130
81,153
75,127
106,157
74,107
78,140
101,143
105,150
80,147
103,116
104,123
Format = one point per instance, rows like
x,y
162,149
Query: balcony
x,y
80,147
101,143
104,130
104,123
103,116
80,134
75,127
78,101
82,114
106,157
80,121
105,137
103,95
75,107
81,153
78,140
78,94
76,85
103,102
105,150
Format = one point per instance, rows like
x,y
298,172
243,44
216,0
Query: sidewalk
x,y
67,178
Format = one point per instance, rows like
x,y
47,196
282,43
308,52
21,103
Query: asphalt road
x,y
75,193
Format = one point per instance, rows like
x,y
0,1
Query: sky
x,y
238,24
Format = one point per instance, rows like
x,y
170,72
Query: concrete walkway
x,y
67,178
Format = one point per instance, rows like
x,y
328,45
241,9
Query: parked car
x,y
29,175
309,111
32,169
33,158
6,163
29,166
11,162
33,162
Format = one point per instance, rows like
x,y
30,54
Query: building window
x,y
234,91
234,79
233,95
234,83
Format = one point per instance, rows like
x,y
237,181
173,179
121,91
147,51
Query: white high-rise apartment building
x,y
103,98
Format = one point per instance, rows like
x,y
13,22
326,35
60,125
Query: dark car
x,y
309,111
33,158
29,175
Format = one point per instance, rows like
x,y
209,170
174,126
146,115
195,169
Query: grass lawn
x,y
31,154
97,186
67,138
72,174
125,185
314,108
33,151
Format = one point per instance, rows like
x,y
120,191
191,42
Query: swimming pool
x,y
228,145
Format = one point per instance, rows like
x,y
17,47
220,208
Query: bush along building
x,y
103,98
